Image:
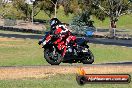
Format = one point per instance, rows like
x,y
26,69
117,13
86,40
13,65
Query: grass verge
x,y
109,53
19,52
59,81
123,23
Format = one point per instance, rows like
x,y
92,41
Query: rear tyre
x,y
89,59
53,60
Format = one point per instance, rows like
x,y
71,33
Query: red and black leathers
x,y
65,36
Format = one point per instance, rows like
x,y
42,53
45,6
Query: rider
x,y
62,32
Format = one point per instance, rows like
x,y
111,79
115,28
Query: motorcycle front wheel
x,y
51,58
89,58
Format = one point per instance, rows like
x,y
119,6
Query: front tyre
x,y
52,59
89,58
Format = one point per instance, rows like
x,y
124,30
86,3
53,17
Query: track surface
x,y
127,43
37,72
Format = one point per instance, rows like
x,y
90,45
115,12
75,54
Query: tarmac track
x,y
127,43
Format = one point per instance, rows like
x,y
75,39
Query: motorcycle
x,y
79,54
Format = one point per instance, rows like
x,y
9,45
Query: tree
x,y
103,8
82,19
49,6
3,4
82,9
112,9
26,8
70,6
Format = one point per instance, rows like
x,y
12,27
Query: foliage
x,y
99,8
123,23
47,6
112,8
102,8
81,19
26,8
70,6
107,8
8,11
3,4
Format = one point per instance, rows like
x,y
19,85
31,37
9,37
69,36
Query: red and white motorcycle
x,y
53,55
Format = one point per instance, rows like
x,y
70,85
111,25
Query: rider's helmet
x,y
54,22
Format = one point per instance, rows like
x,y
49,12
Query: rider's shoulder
x,y
63,25
60,24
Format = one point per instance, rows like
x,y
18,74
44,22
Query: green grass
x,y
18,53
59,81
123,23
42,15
108,53
28,52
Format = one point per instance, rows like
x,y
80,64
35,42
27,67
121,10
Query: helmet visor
x,y
52,23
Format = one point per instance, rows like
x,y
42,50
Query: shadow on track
x,y
118,63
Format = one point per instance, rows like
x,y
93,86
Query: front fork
x,y
54,50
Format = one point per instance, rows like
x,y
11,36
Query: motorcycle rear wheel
x,y
53,60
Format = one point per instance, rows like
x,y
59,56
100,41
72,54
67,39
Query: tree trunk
x,y
55,9
112,28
